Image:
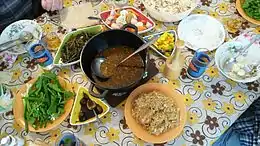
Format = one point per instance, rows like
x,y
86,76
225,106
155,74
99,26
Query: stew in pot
x,y
124,74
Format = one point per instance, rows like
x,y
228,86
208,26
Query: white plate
x,y
13,31
201,31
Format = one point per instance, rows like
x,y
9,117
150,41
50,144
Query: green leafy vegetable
x,y
74,45
45,101
252,8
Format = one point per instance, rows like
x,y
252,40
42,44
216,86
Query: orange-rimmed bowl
x,y
18,107
241,11
138,130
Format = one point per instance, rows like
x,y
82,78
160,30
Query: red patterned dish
x,y
148,23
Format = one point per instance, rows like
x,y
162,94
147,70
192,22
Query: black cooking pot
x,y
105,40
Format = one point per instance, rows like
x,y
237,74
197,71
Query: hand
x,y
52,5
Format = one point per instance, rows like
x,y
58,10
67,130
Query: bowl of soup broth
x,y
114,45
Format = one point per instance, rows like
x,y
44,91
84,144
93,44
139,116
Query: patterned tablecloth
x,y
213,102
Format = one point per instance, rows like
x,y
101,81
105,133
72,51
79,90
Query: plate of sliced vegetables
x,y
116,18
43,103
81,114
165,45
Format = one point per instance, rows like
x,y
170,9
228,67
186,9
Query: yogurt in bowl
x,y
237,71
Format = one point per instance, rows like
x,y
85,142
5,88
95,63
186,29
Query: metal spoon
x,y
96,63
91,106
143,47
230,62
252,68
95,67
96,18
24,37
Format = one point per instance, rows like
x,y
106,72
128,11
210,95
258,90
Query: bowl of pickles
x,y
165,45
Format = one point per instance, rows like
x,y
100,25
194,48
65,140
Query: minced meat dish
x,y
156,112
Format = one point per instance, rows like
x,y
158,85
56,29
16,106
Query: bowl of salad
x,y
250,10
165,45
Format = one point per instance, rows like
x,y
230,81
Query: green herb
x,y
45,101
67,141
252,8
72,48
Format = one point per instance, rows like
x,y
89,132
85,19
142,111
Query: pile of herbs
x,y
45,101
72,48
252,8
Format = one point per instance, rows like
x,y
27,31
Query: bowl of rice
x,y
155,113
169,10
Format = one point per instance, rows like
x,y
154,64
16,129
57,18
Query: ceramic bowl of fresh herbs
x,y
72,44
43,103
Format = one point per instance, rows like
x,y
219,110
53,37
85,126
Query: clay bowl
x,y
138,130
18,107
241,11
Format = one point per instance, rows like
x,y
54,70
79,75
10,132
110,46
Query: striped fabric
x,y
13,10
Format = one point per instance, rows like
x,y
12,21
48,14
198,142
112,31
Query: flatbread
x,y
77,16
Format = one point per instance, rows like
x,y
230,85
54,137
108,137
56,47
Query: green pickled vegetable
x,y
45,101
252,8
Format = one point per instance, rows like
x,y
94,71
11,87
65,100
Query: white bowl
x,y
168,16
222,54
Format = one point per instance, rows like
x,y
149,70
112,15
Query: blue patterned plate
x,y
13,31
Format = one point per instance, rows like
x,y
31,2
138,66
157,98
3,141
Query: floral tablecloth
x,y
213,101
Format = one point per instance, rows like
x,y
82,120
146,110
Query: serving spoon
x,y
96,63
